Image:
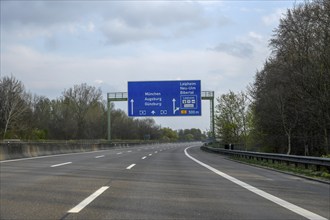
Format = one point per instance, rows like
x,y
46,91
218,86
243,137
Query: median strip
x,y
88,200
60,164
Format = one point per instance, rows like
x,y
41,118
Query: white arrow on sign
x,y
132,106
174,108
153,112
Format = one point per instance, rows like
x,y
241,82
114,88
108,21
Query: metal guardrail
x,y
317,162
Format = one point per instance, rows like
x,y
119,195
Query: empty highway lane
x,y
165,181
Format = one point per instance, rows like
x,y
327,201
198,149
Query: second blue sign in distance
x,y
164,98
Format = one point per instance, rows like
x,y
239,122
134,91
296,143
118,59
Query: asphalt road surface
x,y
167,181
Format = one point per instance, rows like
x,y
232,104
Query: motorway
x,y
166,181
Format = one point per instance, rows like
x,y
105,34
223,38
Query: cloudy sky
x,y
52,45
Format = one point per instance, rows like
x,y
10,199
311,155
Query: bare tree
x,y
81,99
13,103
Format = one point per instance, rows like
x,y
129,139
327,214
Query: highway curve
x,y
166,181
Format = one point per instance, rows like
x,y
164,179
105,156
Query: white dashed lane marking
x,y
60,164
88,200
130,166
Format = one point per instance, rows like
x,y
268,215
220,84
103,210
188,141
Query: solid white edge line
x,y
303,212
130,166
88,200
60,164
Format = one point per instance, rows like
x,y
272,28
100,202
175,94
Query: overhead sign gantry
x,y
163,98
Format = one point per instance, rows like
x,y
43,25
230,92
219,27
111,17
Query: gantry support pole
x,y
109,118
113,97
212,121
209,95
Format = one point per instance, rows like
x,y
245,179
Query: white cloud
x,y
117,32
255,36
274,18
90,27
245,9
60,71
98,81
41,13
157,13
236,48
160,20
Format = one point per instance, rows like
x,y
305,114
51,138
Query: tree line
x,y
79,113
287,107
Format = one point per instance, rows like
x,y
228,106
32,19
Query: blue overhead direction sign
x,y
164,98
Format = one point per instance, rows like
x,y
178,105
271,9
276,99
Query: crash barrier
x,y
308,162
14,149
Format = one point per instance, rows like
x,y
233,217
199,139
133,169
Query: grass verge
x,y
323,174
